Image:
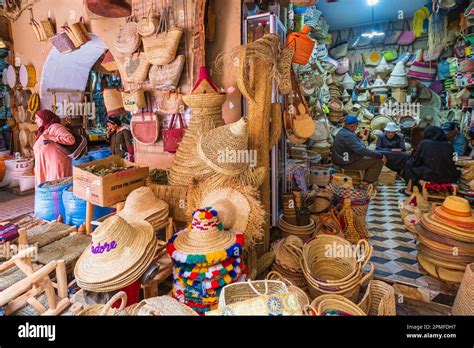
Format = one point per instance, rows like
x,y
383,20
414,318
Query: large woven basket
x,y
107,310
379,299
300,294
303,232
175,196
464,302
387,177
242,291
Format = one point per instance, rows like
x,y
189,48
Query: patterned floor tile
x,y
406,260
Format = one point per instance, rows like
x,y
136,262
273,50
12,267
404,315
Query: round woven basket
x,y
107,310
238,292
300,294
464,302
339,305
303,232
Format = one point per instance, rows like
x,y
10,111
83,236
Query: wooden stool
x,y
436,196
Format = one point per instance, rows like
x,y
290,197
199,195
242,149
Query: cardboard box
x,y
108,190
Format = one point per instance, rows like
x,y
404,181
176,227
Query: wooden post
x,y
61,279
89,217
23,243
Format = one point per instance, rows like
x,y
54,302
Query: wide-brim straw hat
x,y
205,241
448,229
457,211
442,273
380,122
231,205
221,148
119,250
288,253
432,239
142,204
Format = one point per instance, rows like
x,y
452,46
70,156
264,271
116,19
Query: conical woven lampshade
x,y
206,115
398,78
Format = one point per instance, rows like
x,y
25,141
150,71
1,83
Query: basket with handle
x,y
107,310
78,33
134,100
148,25
242,291
161,47
300,294
379,299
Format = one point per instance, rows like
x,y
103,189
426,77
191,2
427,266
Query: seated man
x,y
349,152
392,145
455,138
432,161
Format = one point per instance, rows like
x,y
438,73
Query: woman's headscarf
x,y
435,133
48,118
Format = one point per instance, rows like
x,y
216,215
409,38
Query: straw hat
x,y
142,204
445,274
205,241
380,122
221,147
398,78
120,250
447,228
455,210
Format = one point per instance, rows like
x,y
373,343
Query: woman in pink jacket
x,y
50,162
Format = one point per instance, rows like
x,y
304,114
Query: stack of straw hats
x,y
206,258
413,204
206,104
287,260
120,253
398,78
302,232
143,205
446,237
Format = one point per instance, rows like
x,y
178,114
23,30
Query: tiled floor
x,y
395,247
12,206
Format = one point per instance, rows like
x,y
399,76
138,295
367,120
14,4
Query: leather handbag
x,y
392,36
408,37
145,126
172,136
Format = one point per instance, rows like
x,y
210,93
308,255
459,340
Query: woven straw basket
x,y
242,291
325,303
464,302
379,299
175,196
107,310
300,294
134,100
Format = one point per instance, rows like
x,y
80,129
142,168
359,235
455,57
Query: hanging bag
x,y
78,33
407,38
169,103
136,68
128,40
37,28
161,47
422,70
390,54
372,58
148,25
166,77
145,126
303,124
340,48
172,136
459,49
343,66
134,100
392,36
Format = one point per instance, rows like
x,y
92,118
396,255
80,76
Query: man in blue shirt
x,y
455,138
349,152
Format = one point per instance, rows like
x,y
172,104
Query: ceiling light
x,y
372,2
373,33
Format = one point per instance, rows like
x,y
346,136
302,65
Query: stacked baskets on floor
x,y
332,266
303,232
287,260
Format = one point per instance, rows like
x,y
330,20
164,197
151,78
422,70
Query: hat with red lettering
x,y
120,252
